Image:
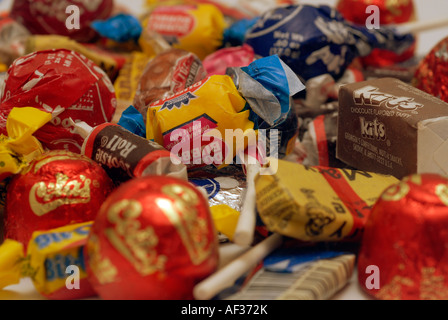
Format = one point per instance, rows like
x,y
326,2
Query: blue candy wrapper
x,y
132,120
236,33
120,28
316,40
267,84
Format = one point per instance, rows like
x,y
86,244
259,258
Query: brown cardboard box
x,y
387,126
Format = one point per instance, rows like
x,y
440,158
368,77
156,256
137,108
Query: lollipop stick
x,y
226,277
245,228
421,26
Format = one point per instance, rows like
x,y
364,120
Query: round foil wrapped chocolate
x,y
70,18
403,254
431,74
391,12
58,188
153,239
65,84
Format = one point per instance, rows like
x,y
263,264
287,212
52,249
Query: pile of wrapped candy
x,y
221,150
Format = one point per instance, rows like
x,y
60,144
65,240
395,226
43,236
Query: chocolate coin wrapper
x,y
390,127
46,259
124,155
317,203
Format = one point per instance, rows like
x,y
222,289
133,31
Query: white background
x,y
426,10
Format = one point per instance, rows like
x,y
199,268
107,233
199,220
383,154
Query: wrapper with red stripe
x,y
124,155
65,84
403,255
153,239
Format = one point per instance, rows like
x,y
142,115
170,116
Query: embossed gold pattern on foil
x,y
442,192
45,198
392,290
183,214
135,244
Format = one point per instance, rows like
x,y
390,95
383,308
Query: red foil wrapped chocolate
x,y
153,239
431,75
391,12
65,84
58,188
50,17
404,254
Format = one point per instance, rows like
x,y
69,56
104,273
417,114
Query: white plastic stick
x,y
421,26
245,228
226,277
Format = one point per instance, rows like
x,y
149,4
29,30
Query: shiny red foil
x,y
153,239
49,16
391,12
431,74
65,84
57,188
404,245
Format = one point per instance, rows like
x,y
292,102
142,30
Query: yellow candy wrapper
x,y
54,260
226,219
317,203
20,147
127,81
193,122
197,28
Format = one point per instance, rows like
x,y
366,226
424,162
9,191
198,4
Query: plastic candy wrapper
x,y
235,34
168,72
49,260
132,120
402,254
64,84
13,40
153,239
19,148
391,13
431,72
121,28
124,155
50,17
184,123
127,82
219,61
57,188
198,28
316,204
109,62
316,40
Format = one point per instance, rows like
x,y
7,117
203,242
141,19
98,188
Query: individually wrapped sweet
x,y
13,37
170,71
50,17
390,13
197,28
220,60
121,28
57,188
53,259
403,254
193,122
124,155
64,84
153,239
316,40
317,204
